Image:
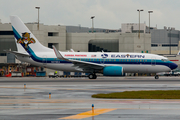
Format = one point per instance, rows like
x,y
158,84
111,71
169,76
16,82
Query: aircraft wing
x,y
18,53
87,65
80,64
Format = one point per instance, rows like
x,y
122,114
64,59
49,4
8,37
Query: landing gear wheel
x,y
156,77
92,76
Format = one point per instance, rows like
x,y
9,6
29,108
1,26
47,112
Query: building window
x,y
53,34
107,45
50,45
2,54
168,45
6,33
154,45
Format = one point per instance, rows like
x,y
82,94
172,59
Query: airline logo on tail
x,y
26,40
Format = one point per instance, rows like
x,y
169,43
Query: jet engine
x,y
113,71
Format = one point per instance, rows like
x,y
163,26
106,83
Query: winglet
x,y
58,54
72,50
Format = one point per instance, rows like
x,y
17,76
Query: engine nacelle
x,y
113,71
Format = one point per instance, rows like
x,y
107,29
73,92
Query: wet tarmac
x,y
71,99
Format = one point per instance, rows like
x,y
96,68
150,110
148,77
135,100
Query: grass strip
x,y
151,94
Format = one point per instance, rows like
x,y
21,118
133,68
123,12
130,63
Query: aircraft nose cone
x,y
173,66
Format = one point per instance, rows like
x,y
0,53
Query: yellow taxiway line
x,y
88,114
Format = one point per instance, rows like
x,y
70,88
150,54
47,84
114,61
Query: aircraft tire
x,y
91,76
94,76
156,77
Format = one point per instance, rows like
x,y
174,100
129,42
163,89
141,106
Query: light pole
x,y
149,19
92,23
139,21
38,16
170,29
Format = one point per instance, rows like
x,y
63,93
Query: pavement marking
x,y
88,114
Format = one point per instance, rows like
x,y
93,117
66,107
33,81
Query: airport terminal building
x,y
159,41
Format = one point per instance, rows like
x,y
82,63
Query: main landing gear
x,y
92,76
156,77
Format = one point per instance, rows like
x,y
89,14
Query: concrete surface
x,y
71,99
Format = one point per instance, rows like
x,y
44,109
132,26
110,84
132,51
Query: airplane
x,y
30,50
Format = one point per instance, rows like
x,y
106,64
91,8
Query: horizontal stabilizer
x,y
17,53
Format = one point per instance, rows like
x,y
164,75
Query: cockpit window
x,y
165,60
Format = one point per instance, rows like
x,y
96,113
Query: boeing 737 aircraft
x,y
108,63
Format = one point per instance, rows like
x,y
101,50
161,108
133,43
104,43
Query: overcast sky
x,y
108,13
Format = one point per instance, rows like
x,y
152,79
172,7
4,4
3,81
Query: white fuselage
x,y
131,62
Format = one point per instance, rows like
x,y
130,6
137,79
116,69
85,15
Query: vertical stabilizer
x,y
24,38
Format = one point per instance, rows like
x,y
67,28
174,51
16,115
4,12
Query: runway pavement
x,y
71,99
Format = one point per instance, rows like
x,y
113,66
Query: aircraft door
x,y
153,61
44,60
102,61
